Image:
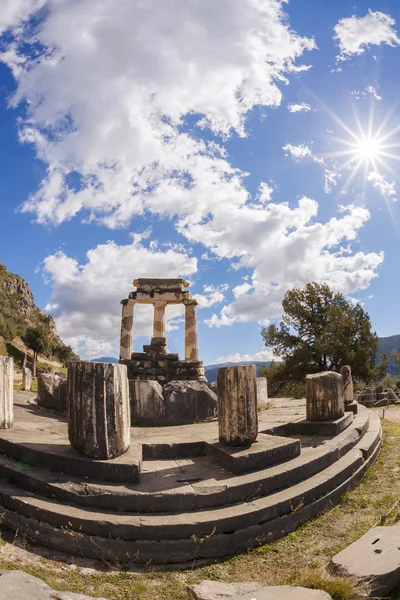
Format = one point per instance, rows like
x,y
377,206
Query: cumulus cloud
x,y
386,189
262,356
301,152
85,299
301,107
370,89
287,247
355,34
106,108
211,295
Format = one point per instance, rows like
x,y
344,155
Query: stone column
x,y
159,321
126,344
26,379
237,405
348,391
98,410
6,392
324,396
191,341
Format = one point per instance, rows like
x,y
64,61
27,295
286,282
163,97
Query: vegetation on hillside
x,y
320,331
21,318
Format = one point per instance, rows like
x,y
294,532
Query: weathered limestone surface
x,y
191,342
262,392
6,392
237,405
373,560
98,410
17,585
26,379
189,401
324,396
126,343
213,387
348,392
147,402
52,391
216,590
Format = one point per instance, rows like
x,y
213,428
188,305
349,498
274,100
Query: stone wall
x,y
154,363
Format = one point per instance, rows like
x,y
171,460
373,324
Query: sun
x,y
368,148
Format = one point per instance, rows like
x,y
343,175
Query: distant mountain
x,y
211,371
387,344
107,359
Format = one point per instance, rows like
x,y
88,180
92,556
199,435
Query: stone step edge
x,y
201,524
178,553
265,482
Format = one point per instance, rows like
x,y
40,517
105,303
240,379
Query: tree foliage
x,y
320,331
38,339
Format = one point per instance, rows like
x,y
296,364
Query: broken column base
x,y
321,427
351,407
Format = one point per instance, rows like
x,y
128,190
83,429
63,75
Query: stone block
x,y
218,590
329,428
189,401
213,387
26,379
268,450
6,392
373,560
348,391
237,405
98,409
52,391
262,392
324,396
18,585
147,402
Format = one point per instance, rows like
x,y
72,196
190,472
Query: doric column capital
x,y
190,302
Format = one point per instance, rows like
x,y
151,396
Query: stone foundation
x,y
154,363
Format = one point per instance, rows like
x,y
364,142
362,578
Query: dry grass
x,y
299,558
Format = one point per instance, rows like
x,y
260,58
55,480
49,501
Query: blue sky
x,y
247,145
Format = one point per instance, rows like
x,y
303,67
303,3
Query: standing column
x,y
6,392
324,396
191,341
159,320
98,409
237,405
126,344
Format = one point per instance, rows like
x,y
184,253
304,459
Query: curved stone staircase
x,y
185,508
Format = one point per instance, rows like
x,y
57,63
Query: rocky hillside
x,y
19,313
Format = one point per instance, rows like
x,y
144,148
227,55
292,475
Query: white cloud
x,y
105,107
386,189
301,152
85,299
370,89
262,356
301,107
287,247
239,290
355,34
211,295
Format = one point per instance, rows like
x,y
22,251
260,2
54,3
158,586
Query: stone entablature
x,y
154,362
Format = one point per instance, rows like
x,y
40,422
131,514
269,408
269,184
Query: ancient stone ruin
x,y
178,494
163,388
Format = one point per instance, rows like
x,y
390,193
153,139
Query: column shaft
x,y
159,320
191,341
126,343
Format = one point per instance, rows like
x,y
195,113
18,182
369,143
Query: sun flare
x,y
368,148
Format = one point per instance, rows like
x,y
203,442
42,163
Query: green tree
x,y
64,354
321,331
37,339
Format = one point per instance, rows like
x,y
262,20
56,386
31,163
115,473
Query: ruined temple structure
x,y
164,388
154,362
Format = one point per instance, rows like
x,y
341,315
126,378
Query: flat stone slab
x,y
321,427
351,406
17,585
216,590
266,451
374,560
